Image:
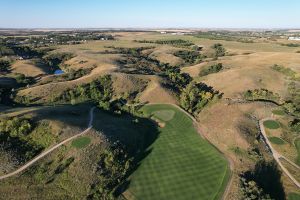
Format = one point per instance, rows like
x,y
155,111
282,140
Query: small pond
x,y
58,72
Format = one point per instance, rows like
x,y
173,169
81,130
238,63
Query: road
x,y
276,155
43,154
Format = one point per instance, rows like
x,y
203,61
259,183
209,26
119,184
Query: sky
x,y
149,13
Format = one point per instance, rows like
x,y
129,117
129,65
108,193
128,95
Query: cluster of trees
x,y
219,50
22,80
291,45
195,96
55,59
189,57
176,80
177,42
6,95
263,182
262,94
5,51
245,37
55,38
112,171
136,60
295,125
211,69
4,65
100,91
30,52
15,133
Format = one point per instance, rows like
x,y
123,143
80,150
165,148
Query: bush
x,y
211,69
195,96
178,42
219,50
284,70
261,94
295,125
189,57
4,65
100,91
264,182
55,59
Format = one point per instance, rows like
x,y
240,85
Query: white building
x,y
294,38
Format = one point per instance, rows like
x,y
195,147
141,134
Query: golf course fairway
x,y
181,164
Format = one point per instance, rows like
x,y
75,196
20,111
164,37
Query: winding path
x,y
43,154
276,155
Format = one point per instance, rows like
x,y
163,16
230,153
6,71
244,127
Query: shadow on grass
x,y
135,134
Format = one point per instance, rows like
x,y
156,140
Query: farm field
x,y
181,164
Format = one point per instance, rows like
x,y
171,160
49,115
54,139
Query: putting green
x,y
81,142
276,140
271,124
180,165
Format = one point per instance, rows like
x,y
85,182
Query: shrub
x,y
195,96
211,69
261,94
190,57
219,50
4,65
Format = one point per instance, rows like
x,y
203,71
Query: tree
x,y
219,50
4,65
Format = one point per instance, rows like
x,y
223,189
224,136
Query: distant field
x,y
181,165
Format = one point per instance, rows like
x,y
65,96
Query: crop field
x,y
181,164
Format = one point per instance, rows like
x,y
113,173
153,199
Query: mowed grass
x,y
181,165
276,140
271,124
81,142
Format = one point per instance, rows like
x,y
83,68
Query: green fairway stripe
x,y
182,165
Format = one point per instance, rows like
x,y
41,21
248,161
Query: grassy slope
x,y
294,196
181,165
297,143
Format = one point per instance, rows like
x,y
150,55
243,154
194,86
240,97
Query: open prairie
x,y
140,145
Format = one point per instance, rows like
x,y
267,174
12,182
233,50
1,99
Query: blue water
x,y
58,72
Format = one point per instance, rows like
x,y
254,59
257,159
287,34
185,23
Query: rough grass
x,y
297,144
181,165
276,140
294,196
81,142
271,124
278,112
